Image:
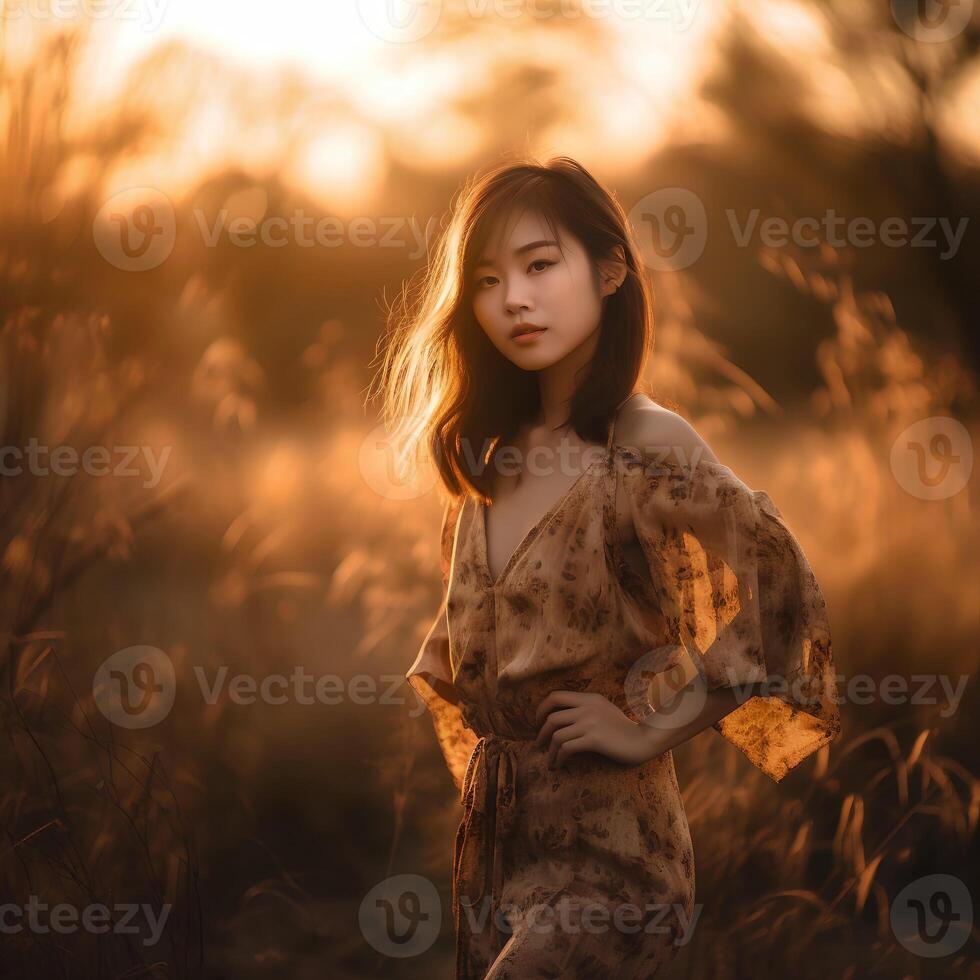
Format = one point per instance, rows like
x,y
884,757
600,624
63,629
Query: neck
x,y
558,382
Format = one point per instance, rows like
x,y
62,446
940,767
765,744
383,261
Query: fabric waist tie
x,y
489,789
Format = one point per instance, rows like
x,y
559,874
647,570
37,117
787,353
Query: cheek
x,y
482,311
575,305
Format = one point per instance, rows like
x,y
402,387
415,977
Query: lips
x,y
523,328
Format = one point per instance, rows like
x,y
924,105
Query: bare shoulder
x,y
650,429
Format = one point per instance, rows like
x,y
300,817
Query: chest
x,y
519,508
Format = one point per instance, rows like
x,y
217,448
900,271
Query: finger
x,y
560,737
557,719
581,744
558,699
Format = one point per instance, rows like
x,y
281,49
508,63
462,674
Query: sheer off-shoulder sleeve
x,y
432,675
737,593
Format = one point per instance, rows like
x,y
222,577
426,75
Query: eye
x,y
543,262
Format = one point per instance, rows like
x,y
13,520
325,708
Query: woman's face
x,y
524,279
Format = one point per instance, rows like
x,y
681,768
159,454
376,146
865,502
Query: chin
x,y
534,360
544,352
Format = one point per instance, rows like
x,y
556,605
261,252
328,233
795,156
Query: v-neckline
x,y
480,512
528,539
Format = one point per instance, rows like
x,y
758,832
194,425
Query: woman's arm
x,y
574,722
592,723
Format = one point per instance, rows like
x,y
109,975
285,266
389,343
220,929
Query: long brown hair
x,y
444,384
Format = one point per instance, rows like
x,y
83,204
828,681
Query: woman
x,y
610,587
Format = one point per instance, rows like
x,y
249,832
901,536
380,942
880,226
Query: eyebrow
x,y
530,246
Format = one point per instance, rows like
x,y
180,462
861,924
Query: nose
x,y
516,299
516,306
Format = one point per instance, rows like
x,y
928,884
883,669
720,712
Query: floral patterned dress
x,y
588,870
